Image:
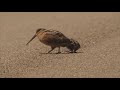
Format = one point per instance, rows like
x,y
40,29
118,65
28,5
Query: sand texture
x,y
97,32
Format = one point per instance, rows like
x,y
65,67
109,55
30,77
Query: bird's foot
x,y
49,52
71,52
58,52
75,52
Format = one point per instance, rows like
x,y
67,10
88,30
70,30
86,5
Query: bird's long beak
x,y
31,39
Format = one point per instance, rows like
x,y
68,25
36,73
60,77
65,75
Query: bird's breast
x,y
44,38
40,36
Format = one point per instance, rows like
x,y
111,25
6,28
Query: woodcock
x,y
55,39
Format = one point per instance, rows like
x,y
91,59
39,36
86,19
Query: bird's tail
x,y
73,45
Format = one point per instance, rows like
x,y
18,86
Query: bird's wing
x,y
57,37
56,33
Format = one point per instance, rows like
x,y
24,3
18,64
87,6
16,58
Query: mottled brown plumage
x,y
73,46
54,39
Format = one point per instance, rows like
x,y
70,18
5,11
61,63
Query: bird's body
x,y
52,38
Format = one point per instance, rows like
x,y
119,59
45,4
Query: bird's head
x,y
37,32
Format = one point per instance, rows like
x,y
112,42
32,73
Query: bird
x,y
55,39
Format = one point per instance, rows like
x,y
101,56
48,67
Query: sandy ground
x,y
98,34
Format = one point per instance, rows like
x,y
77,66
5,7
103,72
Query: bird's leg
x,y
52,48
75,51
58,50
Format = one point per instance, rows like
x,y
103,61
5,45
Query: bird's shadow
x,y
62,53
